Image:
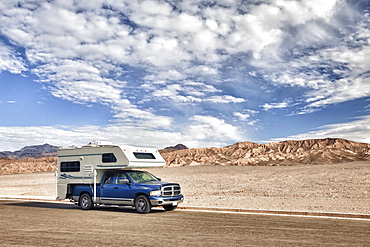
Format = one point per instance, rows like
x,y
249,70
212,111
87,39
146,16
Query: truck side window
x,y
70,166
109,158
121,178
109,178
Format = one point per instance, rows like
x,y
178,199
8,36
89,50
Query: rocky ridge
x,y
173,148
27,165
35,151
312,151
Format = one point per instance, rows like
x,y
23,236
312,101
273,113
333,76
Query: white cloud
x,y
246,115
251,35
202,70
9,61
299,12
280,105
175,93
164,75
208,128
225,99
141,119
242,116
193,92
356,130
162,51
155,8
330,75
354,70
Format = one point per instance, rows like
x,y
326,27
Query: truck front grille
x,y
171,190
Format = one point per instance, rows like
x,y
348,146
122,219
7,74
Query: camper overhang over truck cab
x,y
101,173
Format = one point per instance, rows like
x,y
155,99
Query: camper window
x,y
70,166
109,158
144,156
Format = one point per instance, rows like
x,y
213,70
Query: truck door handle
x,y
115,188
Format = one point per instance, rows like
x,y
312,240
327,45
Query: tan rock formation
x,y
312,151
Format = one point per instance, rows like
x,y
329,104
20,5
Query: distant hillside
x,y
313,151
36,151
28,165
174,148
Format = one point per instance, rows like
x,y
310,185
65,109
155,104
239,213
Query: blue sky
x,y
201,73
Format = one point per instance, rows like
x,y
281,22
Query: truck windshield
x,y
140,177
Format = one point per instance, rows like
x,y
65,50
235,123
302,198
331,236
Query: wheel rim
x,y
141,204
85,202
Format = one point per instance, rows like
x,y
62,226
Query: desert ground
x,y
340,188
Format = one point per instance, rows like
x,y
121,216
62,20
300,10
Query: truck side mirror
x,y
123,181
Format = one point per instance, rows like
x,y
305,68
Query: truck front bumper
x,y
160,201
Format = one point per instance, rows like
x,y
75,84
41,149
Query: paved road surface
x,y
51,224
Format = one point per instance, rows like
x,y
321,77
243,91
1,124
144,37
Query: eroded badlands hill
x,y
313,151
28,165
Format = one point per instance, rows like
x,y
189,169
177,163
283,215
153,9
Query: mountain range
x,y
312,151
35,151
42,158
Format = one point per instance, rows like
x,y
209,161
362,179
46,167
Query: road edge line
x,y
282,212
221,210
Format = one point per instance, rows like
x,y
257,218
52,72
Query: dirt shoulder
x,y
343,188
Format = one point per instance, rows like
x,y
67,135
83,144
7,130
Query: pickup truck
x,y
136,188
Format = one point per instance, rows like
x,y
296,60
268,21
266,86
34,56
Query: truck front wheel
x,y
142,204
85,201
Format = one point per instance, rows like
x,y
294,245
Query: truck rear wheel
x,y
142,204
86,202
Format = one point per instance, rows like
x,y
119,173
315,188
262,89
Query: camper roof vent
x,y
98,143
68,147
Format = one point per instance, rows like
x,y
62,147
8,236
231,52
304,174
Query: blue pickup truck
x,y
136,188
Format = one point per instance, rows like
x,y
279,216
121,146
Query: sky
x,y
156,73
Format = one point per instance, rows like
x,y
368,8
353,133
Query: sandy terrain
x,y
343,188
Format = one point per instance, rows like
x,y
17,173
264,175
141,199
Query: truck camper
x,y
104,174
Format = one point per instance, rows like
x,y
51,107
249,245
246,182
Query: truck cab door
x,y
107,189
124,193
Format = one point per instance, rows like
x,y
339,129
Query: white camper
x,y
87,165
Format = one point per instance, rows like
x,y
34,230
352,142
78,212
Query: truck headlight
x,y
155,193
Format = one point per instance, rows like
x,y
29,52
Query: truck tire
x,y
85,201
142,204
169,207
